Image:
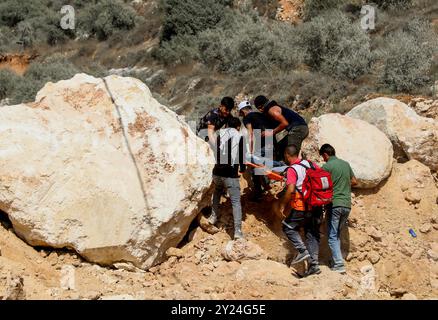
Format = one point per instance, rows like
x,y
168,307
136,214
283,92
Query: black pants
x,y
310,222
295,137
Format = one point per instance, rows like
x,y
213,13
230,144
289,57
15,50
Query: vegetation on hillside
x,y
227,48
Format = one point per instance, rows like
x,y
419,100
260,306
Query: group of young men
x,y
281,134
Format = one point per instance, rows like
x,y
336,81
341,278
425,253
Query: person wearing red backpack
x,y
309,188
337,213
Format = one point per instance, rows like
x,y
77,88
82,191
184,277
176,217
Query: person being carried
x,y
339,211
301,217
215,120
230,153
258,146
290,127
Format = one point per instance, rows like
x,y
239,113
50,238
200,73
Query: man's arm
x,y
354,181
276,114
287,198
353,178
211,134
242,155
251,137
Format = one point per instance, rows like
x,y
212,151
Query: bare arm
x,y
211,135
354,182
287,198
251,138
276,114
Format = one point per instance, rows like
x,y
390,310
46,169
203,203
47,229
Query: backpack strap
x,y
312,166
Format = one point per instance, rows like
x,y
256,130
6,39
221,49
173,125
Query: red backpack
x,y
317,187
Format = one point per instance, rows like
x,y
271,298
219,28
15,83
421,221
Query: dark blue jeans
x,y
310,222
336,220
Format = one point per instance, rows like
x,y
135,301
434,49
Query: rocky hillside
x,y
102,212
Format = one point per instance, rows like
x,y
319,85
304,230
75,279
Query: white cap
x,y
244,104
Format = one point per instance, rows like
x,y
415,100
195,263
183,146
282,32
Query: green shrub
x,y
12,12
408,57
396,4
189,17
105,17
180,50
8,82
39,73
250,44
313,8
335,45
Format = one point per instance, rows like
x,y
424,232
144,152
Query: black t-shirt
x,y
212,118
259,121
291,116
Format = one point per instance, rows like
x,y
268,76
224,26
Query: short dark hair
x,y
228,103
260,102
292,150
327,149
234,122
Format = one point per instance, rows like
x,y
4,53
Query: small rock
x,y
434,219
125,266
243,250
14,288
435,226
207,226
433,252
373,257
398,292
362,256
76,263
417,254
407,250
413,196
175,252
154,269
350,256
426,228
409,296
92,295
53,258
43,253
374,233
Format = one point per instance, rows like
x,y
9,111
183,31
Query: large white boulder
x,y
411,134
365,147
116,184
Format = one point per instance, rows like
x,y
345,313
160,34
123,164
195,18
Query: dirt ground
x,y
18,63
384,260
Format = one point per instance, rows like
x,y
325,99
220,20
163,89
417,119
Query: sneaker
x,y
212,220
238,235
339,269
313,270
301,257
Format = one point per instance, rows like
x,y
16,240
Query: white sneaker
x,y
212,220
238,235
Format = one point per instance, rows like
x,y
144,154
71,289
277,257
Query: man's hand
x,y
278,208
268,133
